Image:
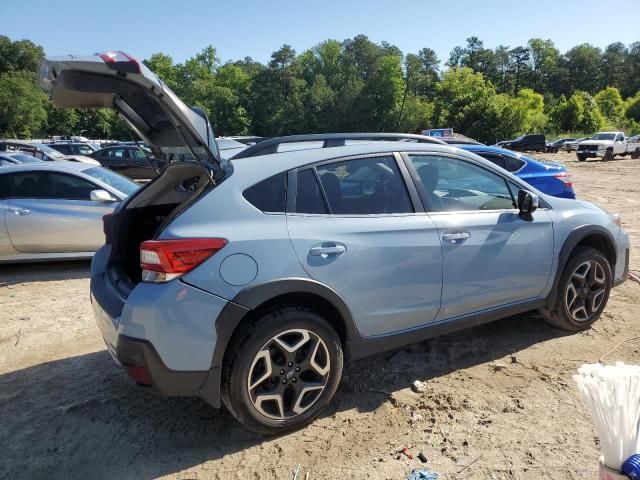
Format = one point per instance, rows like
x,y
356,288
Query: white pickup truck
x,y
607,145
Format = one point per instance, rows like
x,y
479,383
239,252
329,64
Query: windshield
x,y
21,157
521,137
120,183
48,150
604,136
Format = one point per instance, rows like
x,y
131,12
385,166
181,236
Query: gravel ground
x,y
69,412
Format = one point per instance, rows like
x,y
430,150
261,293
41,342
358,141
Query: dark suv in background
x,y
525,143
130,160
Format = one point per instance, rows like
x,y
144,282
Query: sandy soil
x,y
66,411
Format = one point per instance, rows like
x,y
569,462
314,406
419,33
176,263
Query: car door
x,y
492,256
118,160
619,145
139,166
52,213
353,226
6,247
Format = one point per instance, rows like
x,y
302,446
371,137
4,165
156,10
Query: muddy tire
x,y
608,155
583,291
636,153
582,158
281,370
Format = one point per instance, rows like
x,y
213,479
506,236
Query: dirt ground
x,y
66,411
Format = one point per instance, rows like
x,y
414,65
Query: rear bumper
x,y
164,329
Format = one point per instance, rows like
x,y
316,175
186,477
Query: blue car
x,y
550,178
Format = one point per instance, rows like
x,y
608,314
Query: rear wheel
x,y
282,370
582,158
583,291
636,153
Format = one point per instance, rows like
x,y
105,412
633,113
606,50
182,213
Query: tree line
x,y
360,85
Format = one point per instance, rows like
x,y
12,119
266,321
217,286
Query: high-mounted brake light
x,y
163,260
120,61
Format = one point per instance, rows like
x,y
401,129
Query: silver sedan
x,y
54,210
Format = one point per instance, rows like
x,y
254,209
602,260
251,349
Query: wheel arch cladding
x,y
586,236
252,301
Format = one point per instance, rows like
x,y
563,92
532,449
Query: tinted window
x,y
509,163
268,195
4,163
4,186
364,187
308,196
456,185
50,185
117,153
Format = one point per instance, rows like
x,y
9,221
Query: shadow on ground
x,y
81,418
11,274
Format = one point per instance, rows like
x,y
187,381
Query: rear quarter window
x,y
269,195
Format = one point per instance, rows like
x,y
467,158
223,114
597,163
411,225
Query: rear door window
x,y
367,186
309,198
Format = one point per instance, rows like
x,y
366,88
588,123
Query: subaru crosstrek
x,y
250,282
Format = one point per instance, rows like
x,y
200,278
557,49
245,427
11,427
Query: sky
x,y
257,28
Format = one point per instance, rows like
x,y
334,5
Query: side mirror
x,y
101,196
527,202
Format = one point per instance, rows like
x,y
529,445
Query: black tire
x,y
573,311
582,158
636,153
261,339
608,155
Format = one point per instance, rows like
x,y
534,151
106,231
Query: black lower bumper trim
x,y
167,382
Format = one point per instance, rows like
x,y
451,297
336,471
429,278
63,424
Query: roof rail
x,y
271,145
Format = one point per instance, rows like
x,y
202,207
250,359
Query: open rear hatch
x,y
172,130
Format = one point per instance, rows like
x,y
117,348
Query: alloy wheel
x,y
586,291
288,374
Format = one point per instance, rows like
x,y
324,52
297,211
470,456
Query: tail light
x,y
565,178
139,374
163,260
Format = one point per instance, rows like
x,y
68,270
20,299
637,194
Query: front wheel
x,y
582,158
608,155
636,153
282,370
583,291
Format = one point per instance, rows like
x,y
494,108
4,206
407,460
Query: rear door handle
x,y
20,211
456,237
328,250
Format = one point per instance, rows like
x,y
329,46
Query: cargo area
x,y
144,216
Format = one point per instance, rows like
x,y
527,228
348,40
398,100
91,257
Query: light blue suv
x,y
250,282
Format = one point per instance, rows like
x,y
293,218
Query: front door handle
x,y
328,250
20,211
456,237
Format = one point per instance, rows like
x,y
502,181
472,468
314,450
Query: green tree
x,y
22,105
585,67
610,104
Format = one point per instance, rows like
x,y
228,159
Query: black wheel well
x,y
601,243
318,304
